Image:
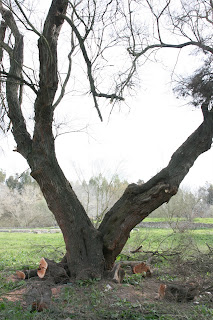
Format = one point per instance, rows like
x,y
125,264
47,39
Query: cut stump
x,y
142,268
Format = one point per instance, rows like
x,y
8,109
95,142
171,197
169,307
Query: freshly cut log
x,y
162,291
20,275
26,274
43,265
48,269
118,273
56,272
142,268
178,292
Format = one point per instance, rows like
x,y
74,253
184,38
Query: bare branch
x,y
20,80
94,92
158,16
30,24
66,79
175,46
3,28
13,87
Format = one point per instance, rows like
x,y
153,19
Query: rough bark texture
x,y
89,252
138,201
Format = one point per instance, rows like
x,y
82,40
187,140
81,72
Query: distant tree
x,y
104,194
206,193
25,209
19,182
182,205
2,176
99,194
210,195
110,40
13,182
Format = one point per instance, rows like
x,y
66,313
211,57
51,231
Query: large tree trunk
x,y
89,251
83,242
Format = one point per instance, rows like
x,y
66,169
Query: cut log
x,y
48,269
20,275
43,265
26,274
178,292
118,273
142,268
56,272
162,291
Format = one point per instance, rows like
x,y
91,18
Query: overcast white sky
x,y
137,142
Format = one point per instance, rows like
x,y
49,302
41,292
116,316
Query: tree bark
x,y
138,201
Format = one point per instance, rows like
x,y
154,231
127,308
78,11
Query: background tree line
x,y
22,203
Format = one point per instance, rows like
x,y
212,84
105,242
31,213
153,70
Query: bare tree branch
x,y
89,69
20,80
175,46
13,87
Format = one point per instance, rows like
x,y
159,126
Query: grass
x,y
26,249
150,219
203,220
161,239
90,299
195,220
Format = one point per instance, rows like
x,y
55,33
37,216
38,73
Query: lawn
x,y
134,299
26,249
163,239
195,220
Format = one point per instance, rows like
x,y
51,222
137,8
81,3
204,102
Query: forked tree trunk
x,y
90,252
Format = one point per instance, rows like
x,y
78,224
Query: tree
x,y
96,31
2,176
206,194
99,195
24,207
19,182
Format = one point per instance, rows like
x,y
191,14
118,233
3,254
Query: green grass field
x,y
195,220
21,250
163,239
26,249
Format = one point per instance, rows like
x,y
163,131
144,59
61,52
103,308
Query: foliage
x,y
206,193
186,205
2,176
199,86
19,182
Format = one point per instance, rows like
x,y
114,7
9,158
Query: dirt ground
x,y
133,299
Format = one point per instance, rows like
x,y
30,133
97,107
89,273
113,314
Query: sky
x,y
136,141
